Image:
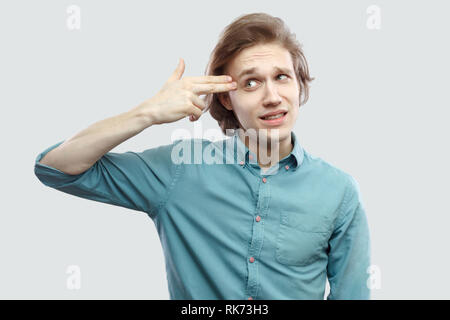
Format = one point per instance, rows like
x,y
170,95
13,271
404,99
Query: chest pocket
x,y
302,238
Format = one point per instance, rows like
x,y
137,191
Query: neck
x,y
263,149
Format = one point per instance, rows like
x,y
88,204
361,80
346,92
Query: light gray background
x,y
378,110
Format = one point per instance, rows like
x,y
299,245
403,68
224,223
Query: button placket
x,y
257,238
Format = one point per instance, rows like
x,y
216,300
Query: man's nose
x,y
271,94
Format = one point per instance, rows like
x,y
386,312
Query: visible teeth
x,y
274,117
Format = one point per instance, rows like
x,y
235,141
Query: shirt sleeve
x,y
138,181
349,250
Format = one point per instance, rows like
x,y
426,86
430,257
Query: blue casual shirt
x,y
229,230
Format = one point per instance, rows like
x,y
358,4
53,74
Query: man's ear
x,y
224,99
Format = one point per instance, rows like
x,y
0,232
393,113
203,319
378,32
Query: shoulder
x,y
328,174
327,169
193,150
344,187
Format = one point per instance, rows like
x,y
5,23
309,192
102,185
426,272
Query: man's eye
x,y
248,81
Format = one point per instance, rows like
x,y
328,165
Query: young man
x,y
240,229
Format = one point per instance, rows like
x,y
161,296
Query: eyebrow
x,y
253,71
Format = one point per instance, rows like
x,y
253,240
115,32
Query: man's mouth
x,y
277,116
274,120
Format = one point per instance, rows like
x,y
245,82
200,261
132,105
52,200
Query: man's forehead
x,y
248,70
254,60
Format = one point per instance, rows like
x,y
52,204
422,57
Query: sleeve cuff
x,y
51,176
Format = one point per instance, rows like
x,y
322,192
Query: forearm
x,y
81,151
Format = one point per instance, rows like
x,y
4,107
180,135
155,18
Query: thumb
x,y
176,75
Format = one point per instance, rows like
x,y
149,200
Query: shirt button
x,y
250,298
252,259
264,180
287,167
258,218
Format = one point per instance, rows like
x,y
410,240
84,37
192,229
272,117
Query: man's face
x,y
266,89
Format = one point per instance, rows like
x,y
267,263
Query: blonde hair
x,y
244,32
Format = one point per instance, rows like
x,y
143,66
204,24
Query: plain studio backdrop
x,y
378,110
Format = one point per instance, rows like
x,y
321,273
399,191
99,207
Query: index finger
x,y
210,79
206,88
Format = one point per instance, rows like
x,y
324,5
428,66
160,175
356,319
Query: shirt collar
x,y
297,151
